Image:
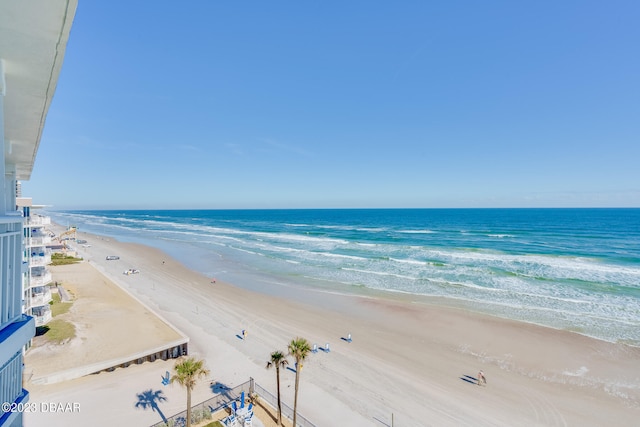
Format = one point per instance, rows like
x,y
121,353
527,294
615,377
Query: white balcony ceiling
x,y
33,39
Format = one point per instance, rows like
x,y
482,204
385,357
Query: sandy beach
x,y
409,356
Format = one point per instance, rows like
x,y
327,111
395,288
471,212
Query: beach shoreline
x,y
409,356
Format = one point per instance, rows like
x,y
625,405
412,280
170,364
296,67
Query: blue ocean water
x,y
574,269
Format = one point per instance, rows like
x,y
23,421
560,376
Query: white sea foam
x,y
586,293
379,273
416,231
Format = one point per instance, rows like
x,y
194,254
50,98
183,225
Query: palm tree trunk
x,y
279,404
188,407
295,399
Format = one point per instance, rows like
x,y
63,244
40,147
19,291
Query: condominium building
x,y
33,39
36,277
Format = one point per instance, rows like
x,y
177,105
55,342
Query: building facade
x,y
36,278
33,40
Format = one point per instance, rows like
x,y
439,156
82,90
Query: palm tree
x,y
187,373
278,359
299,349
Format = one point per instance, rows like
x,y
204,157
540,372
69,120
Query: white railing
x,y
38,299
40,260
41,280
10,381
44,319
39,220
39,241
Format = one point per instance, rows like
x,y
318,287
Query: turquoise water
x,y
575,269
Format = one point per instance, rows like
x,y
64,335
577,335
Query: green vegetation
x,y
62,259
278,360
299,349
187,372
57,331
214,424
58,307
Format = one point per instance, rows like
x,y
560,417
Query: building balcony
x,y
43,319
38,241
41,259
40,280
40,298
42,315
37,220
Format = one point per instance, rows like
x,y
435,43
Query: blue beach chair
x,y
166,379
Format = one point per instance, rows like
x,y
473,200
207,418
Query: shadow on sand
x,y
150,399
219,388
469,379
382,422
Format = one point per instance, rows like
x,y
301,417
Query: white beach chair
x,y
230,421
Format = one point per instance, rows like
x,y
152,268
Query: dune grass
x,y
62,259
57,331
58,307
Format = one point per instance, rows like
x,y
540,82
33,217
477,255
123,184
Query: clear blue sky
x,y
312,104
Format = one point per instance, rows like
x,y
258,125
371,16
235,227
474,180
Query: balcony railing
x,y
40,260
40,280
38,220
44,319
39,299
38,241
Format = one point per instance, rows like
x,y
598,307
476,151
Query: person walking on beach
x,y
482,380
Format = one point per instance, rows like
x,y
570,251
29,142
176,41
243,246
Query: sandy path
x,y
109,324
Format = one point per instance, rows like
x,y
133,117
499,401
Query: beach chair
x,y
247,420
349,338
234,406
326,348
166,379
230,421
250,408
315,348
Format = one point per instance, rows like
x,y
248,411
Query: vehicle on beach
x,y
112,257
131,271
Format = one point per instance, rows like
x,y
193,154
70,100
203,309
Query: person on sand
x,y
482,380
